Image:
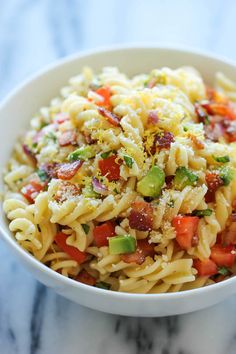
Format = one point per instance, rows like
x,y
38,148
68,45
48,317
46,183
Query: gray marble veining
x,y
33,33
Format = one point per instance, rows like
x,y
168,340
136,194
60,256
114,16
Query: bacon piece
x,y
29,153
67,138
66,171
168,181
65,189
201,113
62,117
144,249
213,182
141,216
214,131
163,140
111,117
198,143
50,169
230,131
152,118
85,278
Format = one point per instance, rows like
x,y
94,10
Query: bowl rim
x,y
36,264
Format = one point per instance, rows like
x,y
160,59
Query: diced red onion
x,y
99,187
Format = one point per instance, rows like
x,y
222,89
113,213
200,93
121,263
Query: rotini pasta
x,y
129,184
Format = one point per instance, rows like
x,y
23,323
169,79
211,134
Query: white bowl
x,y
15,114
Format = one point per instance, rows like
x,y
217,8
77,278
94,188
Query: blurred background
x,y
34,33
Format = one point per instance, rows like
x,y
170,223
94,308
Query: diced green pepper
x,y
222,159
103,285
122,244
82,153
151,184
204,212
105,155
226,174
184,177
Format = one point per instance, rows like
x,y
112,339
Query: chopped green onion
x,y
206,120
42,175
103,285
51,136
222,159
105,155
185,129
226,174
82,153
86,228
204,212
223,271
129,161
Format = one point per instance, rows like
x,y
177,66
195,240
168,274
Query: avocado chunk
x,y
122,244
88,192
151,184
82,153
183,178
226,174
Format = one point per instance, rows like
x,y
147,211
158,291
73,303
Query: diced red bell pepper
x,y
206,267
105,93
66,171
223,256
31,190
186,230
85,278
110,168
141,216
102,232
73,252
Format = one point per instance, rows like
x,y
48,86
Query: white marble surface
x,y
33,319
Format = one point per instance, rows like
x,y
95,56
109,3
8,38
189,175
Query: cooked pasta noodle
x,y
129,183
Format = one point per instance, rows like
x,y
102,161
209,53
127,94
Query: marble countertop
x,y
33,33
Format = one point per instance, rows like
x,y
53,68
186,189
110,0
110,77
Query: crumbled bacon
x,y
66,171
141,216
152,118
68,138
144,249
163,140
213,182
29,153
111,117
201,113
65,189
62,117
50,169
169,180
198,143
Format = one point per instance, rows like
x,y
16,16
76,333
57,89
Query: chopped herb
x,y
82,153
51,136
223,271
206,120
42,175
171,203
222,159
86,228
42,125
204,212
34,145
129,161
185,129
20,180
103,285
226,174
115,190
104,155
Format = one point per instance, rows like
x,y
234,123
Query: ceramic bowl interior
x,y
15,114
